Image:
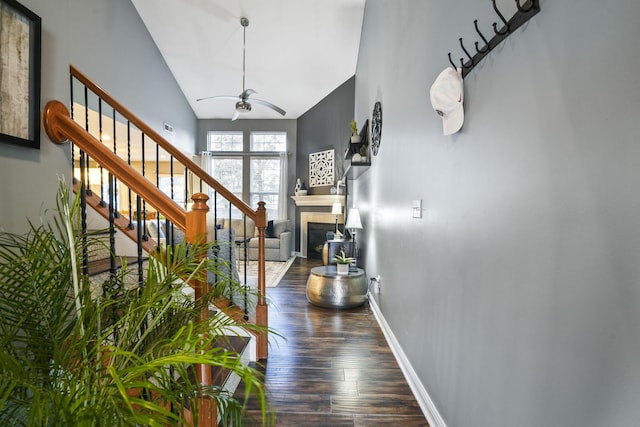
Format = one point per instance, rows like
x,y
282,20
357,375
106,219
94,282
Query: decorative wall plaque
x,y
321,166
376,127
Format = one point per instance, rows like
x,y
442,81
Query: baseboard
x,y
424,400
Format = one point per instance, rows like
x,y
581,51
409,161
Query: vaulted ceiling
x,y
297,51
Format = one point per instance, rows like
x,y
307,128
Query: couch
x,y
277,240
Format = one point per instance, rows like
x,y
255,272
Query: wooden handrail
x,y
167,146
60,128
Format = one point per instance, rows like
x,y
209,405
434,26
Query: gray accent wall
x,y
107,41
325,126
516,296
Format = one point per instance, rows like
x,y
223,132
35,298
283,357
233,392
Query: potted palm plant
x,y
74,354
343,262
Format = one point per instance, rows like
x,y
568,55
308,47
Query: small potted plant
x,y
343,262
355,138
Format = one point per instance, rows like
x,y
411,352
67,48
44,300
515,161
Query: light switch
x,y
417,208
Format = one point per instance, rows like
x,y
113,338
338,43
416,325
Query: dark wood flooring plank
x,y
383,404
292,419
390,421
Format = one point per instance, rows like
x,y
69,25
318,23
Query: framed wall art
x,y
20,37
321,168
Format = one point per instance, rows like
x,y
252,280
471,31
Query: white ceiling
x,y
297,52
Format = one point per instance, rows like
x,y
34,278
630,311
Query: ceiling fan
x,y
243,105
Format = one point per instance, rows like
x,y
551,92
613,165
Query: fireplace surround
x,y
316,238
314,217
321,201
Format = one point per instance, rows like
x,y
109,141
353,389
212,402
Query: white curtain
x,y
206,163
282,197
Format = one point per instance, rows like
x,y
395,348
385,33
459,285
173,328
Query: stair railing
x,y
91,151
94,97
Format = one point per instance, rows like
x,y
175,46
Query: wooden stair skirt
x,y
226,378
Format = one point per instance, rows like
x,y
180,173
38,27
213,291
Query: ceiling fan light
x,y
243,107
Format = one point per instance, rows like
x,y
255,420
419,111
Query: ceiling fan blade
x,y
236,114
217,97
270,105
247,93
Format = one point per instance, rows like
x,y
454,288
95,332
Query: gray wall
x,y
517,296
107,41
251,125
325,126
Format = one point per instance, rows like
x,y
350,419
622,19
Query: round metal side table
x,y
327,288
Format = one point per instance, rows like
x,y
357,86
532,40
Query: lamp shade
x,y
336,208
353,220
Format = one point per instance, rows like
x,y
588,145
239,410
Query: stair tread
x,y
120,222
101,265
232,343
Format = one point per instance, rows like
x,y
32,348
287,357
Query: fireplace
x,y
316,236
316,218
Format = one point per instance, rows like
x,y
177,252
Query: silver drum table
x,y
327,288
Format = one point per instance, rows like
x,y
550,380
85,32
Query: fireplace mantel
x,y
318,200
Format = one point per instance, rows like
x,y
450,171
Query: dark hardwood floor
x,y
334,368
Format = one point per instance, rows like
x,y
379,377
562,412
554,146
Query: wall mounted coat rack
x,y
523,14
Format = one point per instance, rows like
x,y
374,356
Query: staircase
x,y
101,266
126,193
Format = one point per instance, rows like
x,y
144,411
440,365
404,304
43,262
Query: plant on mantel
x,y
73,355
355,137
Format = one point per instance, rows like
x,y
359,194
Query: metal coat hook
x,y
465,50
522,9
451,61
486,43
495,25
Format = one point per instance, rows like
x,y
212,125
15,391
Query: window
x,y
265,183
261,141
250,169
225,141
228,172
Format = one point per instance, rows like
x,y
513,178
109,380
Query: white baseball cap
x,y
447,97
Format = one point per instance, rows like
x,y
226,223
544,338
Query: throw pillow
x,y
152,229
280,227
269,232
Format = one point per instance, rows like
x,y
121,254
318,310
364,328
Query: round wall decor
x,y
376,127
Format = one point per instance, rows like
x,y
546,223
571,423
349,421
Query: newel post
x,y
196,233
262,313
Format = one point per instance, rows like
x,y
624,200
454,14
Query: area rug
x,y
275,271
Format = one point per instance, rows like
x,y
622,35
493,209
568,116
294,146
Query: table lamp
x,y
336,209
353,224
